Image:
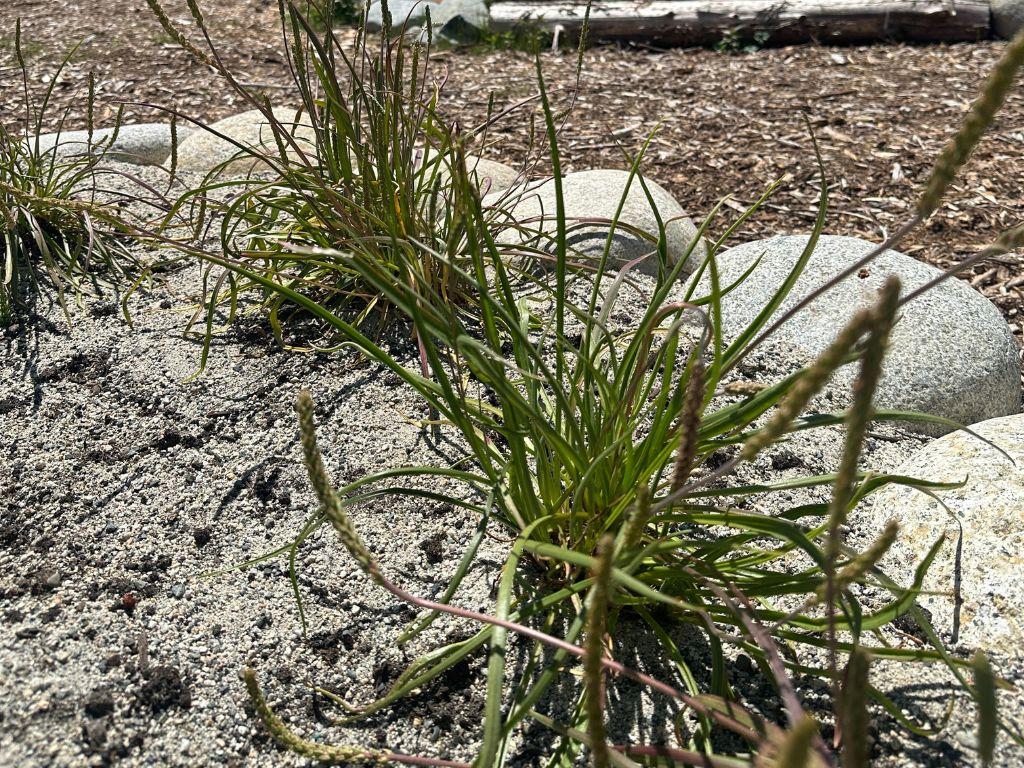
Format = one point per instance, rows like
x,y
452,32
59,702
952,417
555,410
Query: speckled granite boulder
x,y
596,194
952,353
142,144
989,509
457,21
1007,17
204,151
490,175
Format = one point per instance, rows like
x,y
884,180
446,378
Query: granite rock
x,y
1007,17
986,517
595,195
203,150
952,354
142,144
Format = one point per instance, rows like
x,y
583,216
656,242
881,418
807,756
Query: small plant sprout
x,y
365,167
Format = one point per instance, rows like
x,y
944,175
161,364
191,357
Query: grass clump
x,y
597,448
365,167
53,234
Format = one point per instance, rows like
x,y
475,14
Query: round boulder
x,y
455,21
983,519
490,175
141,144
951,355
203,151
592,199
1007,17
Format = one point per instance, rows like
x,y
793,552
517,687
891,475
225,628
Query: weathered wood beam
x,y
685,22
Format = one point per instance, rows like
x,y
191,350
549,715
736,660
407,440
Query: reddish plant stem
x,y
573,650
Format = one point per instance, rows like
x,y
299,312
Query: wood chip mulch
x,y
723,124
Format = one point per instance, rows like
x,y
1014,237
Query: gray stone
x,y
403,12
490,175
453,20
594,195
142,144
1007,17
952,354
989,509
203,150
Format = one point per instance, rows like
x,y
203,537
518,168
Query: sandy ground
x,y
128,482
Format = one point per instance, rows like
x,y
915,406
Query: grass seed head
x,y
854,715
985,692
978,120
323,753
857,568
597,625
861,410
689,425
796,748
332,505
810,384
636,522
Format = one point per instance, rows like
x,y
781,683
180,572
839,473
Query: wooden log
x,y
778,22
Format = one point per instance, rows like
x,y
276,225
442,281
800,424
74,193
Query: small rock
x,y
127,603
433,548
178,591
262,621
103,309
202,536
51,614
99,703
94,732
786,459
165,689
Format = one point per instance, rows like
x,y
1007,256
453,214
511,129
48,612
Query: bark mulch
x,y
723,124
